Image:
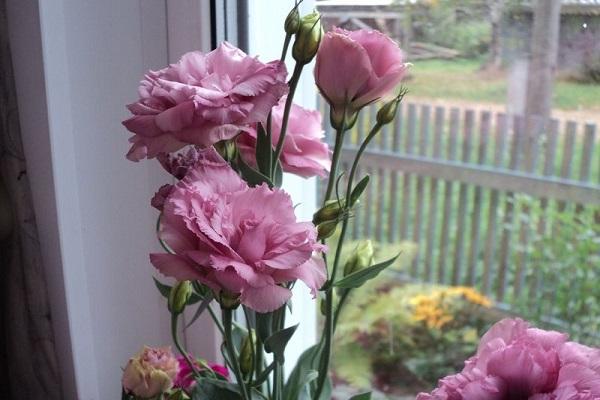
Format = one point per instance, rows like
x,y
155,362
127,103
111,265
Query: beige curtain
x,y
28,367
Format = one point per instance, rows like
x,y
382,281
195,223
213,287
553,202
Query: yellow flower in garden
x,y
471,295
429,310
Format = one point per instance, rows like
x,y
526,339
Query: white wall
x,y
77,63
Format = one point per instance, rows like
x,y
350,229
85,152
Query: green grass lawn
x,y
461,79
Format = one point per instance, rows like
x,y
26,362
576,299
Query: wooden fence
x,y
449,180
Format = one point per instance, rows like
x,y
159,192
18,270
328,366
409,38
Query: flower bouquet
x,y
225,126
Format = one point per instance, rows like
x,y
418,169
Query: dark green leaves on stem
x,y
264,151
303,373
207,388
358,278
277,342
362,396
252,176
359,189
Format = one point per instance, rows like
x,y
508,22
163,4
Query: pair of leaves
x,y
300,384
275,342
358,278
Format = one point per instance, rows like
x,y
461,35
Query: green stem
x,y
330,320
227,316
335,160
216,320
286,112
180,348
286,44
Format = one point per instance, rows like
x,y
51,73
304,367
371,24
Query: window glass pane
x,y
503,103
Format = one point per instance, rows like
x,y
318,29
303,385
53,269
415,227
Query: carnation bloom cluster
x,y
238,240
515,361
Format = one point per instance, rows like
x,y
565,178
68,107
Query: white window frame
x,y
76,65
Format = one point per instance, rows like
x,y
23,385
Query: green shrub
x,y
563,261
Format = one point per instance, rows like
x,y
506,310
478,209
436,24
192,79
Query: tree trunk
x,y
494,61
543,54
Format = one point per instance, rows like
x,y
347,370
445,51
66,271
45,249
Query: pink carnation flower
x,y
202,99
357,67
185,378
304,152
235,239
150,372
515,361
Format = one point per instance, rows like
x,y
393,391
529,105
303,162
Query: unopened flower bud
x,y
292,22
246,358
360,259
308,38
387,113
326,229
323,303
330,211
179,296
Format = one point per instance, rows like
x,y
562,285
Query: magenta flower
x,y
304,152
235,239
515,361
356,68
185,378
202,99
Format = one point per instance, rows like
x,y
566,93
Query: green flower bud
x,y
246,359
330,211
323,303
308,38
292,21
179,296
360,259
387,113
326,229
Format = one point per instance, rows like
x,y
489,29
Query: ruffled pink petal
x,y
174,266
265,299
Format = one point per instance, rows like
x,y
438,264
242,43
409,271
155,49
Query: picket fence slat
x,y
448,190
484,131
490,244
459,245
420,187
406,178
433,196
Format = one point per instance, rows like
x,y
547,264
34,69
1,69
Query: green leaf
x,y
162,288
359,189
207,388
201,308
252,176
303,373
358,278
276,342
264,151
362,396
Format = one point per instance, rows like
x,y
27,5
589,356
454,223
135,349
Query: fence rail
x,y
449,180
